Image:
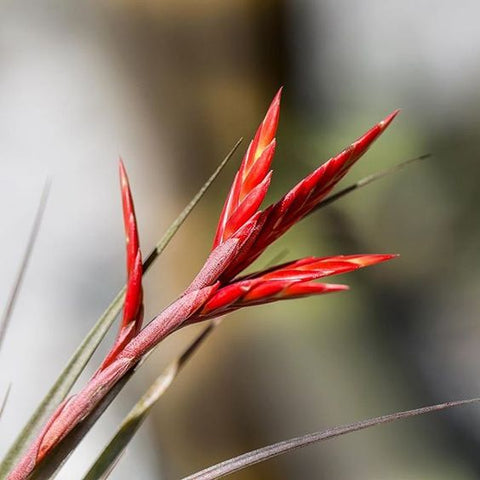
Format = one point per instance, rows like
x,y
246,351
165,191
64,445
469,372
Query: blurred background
x,y
170,86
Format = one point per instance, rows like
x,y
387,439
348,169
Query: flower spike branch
x,y
133,307
288,281
305,196
243,233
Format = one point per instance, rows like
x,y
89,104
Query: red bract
x,y
133,308
243,233
287,281
73,409
252,180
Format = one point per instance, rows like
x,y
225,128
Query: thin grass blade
x,y
5,400
260,455
7,313
112,467
85,350
187,210
367,180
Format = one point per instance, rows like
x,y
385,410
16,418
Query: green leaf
x,y
82,355
4,401
366,181
256,456
164,241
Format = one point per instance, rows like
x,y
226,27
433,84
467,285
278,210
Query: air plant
x,y
243,233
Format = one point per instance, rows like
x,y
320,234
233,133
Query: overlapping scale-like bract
x,y
133,308
252,180
287,281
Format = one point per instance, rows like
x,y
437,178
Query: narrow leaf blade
x,y
7,313
4,400
164,241
260,455
367,180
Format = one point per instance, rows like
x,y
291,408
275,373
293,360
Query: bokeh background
x,y
171,85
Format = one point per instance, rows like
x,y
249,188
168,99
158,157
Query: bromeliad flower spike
x,y
244,232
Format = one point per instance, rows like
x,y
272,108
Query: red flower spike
x,y
290,280
252,173
304,197
129,218
250,293
133,307
314,268
134,295
293,291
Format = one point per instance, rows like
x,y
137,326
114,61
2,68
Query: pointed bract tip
x,y
388,119
123,172
274,107
278,95
335,287
268,128
368,260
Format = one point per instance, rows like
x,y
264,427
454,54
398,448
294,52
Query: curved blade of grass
x,y
367,180
135,418
7,313
4,401
112,467
152,256
260,455
85,350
